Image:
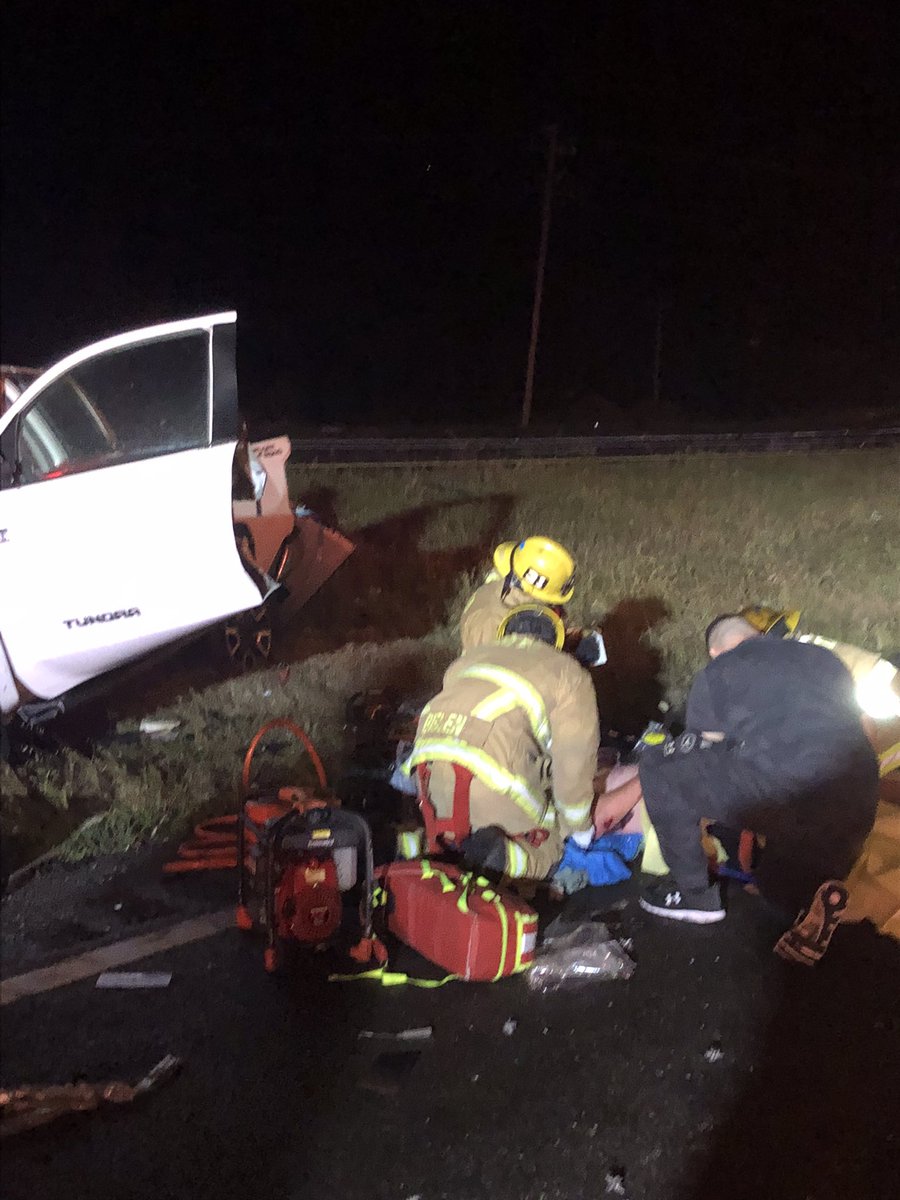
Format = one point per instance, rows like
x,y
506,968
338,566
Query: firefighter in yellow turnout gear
x,y
485,745
536,569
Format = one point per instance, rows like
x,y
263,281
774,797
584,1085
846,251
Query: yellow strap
x,y
392,978
520,937
466,882
504,933
431,872
522,919
490,897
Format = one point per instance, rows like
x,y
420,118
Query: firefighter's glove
x,y
582,840
485,848
591,650
403,780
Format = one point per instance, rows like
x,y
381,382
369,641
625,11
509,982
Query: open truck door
x,y
287,546
116,505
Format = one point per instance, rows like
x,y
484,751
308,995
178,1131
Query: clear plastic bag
x,y
586,954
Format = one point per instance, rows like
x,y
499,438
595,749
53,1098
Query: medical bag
x,y
458,920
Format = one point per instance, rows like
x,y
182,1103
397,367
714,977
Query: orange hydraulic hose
x,y
220,861
217,831
213,847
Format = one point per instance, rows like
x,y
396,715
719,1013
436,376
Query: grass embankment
x,y
662,545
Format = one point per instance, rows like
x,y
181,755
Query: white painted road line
x,y
95,962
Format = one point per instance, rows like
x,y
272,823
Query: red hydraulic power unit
x,y
459,921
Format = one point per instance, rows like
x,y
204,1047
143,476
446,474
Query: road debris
x,y
28,1107
134,980
421,1034
160,728
615,1182
714,1053
509,1027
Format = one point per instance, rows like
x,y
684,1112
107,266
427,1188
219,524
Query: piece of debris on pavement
x,y
29,1106
509,1027
422,1034
714,1052
615,1181
134,979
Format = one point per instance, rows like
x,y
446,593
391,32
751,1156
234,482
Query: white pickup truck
x,y
120,527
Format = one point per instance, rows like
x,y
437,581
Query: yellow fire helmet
x,y
534,620
773,621
544,570
503,557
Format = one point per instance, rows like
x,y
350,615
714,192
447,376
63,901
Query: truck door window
x,y
138,402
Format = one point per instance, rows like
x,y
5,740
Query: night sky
x,y
362,182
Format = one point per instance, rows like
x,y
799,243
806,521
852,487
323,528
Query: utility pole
x,y
539,277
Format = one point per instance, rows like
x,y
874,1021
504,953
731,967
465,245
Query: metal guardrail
x,y
467,449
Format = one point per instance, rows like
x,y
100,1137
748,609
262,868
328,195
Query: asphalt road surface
x,y
614,1090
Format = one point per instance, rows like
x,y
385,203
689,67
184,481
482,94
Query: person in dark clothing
x,y
774,743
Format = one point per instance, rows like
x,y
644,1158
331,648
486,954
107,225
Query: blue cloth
x,y
605,860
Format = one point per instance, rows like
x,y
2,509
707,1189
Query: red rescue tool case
x,y
459,921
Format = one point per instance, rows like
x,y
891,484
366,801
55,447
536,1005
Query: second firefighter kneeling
x,y
485,746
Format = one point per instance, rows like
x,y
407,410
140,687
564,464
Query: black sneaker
x,y
701,906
